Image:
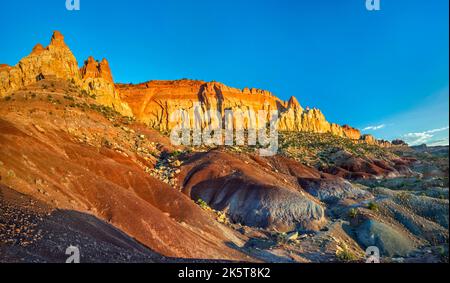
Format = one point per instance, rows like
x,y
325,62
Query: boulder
x,y
389,240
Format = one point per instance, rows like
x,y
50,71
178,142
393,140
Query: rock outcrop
x,y
97,80
369,139
399,142
295,118
351,132
390,241
56,61
93,69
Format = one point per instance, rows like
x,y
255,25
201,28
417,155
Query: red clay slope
x,y
53,149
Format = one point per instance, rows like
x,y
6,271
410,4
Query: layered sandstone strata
x,y
154,102
97,80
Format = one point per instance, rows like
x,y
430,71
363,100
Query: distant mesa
x,y
399,142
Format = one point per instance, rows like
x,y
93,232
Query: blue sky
x,y
383,71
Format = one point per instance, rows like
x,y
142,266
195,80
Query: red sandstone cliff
x,y
153,102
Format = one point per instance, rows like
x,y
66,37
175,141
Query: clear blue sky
x,y
387,68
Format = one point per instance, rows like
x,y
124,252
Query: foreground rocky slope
x,y
64,149
405,216
31,231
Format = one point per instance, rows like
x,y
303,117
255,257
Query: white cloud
x,y
444,141
437,130
425,137
374,128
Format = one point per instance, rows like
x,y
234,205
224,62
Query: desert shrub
x,y
281,238
403,196
443,253
106,143
84,93
10,174
221,217
373,206
68,97
352,213
106,111
176,153
202,204
345,255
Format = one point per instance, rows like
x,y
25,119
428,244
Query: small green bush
x,y
68,97
403,196
352,213
373,206
202,204
11,174
176,153
345,256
